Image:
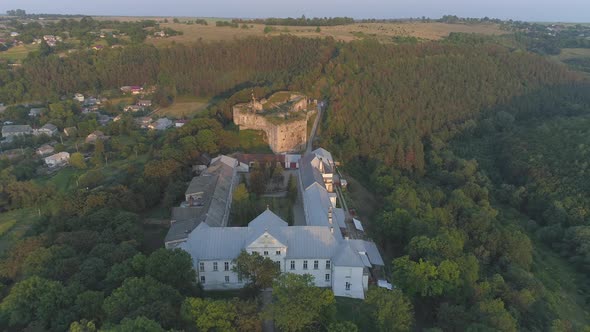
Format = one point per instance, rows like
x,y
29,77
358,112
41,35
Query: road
x,y
314,128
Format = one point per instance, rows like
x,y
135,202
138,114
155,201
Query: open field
x,y
381,31
253,141
572,53
184,107
17,53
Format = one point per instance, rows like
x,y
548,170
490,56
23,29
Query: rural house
x,y
45,149
47,129
58,159
16,130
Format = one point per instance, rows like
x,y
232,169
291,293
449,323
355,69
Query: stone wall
x,y
286,137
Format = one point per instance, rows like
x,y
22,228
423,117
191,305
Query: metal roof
x,y
346,256
12,129
370,249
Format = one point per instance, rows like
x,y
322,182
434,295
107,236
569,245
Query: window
x,y
202,279
254,252
305,265
226,266
347,285
316,265
239,277
227,279
278,265
292,265
266,253
327,277
214,266
327,264
202,267
278,253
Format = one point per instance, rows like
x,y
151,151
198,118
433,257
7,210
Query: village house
x,y
318,248
47,129
180,123
45,149
160,34
133,89
144,103
58,159
34,112
79,97
94,136
16,130
133,108
143,122
161,124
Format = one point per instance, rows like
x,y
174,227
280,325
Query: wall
x,y
353,275
287,137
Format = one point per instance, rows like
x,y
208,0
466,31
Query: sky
x,y
525,10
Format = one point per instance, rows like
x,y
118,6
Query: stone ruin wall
x,y
286,137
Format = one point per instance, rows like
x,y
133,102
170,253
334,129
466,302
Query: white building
x,y
161,124
334,262
16,130
79,97
47,129
58,159
318,248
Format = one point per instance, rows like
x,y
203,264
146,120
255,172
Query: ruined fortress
x,y
283,117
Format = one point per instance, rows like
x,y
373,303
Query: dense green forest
x,y
464,144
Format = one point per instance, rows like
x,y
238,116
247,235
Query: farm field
x,y
184,107
382,31
17,53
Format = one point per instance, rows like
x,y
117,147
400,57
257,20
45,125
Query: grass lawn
x,y
253,141
14,224
17,53
184,107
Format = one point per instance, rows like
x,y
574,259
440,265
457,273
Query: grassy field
x,y
382,31
573,53
17,53
13,225
184,107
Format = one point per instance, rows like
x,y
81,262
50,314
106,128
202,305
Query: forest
x,y
478,154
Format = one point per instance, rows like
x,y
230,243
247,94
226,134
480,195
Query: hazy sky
x,y
529,10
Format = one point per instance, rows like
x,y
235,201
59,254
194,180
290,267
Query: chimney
x,y
321,166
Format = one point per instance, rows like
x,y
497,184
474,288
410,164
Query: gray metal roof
x,y
370,248
308,173
339,216
49,126
216,183
346,256
267,219
16,129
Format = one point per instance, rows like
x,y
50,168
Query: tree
x,y
209,315
162,262
77,160
391,310
299,305
260,271
138,324
345,326
142,297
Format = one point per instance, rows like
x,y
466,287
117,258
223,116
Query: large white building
x,y
319,248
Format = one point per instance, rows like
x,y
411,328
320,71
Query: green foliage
x,y
391,309
258,270
298,304
77,160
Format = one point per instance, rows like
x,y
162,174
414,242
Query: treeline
x,y
203,69
301,21
386,99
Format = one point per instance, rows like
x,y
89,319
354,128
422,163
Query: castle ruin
x,y
283,117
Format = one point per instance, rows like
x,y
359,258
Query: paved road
x,y
314,129
268,325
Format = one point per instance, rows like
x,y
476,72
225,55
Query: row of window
x,y
316,265
265,253
203,279
326,278
215,266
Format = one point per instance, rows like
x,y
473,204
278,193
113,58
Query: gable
x,y
265,240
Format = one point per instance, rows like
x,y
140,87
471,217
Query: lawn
x,y
14,224
184,107
17,53
253,141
